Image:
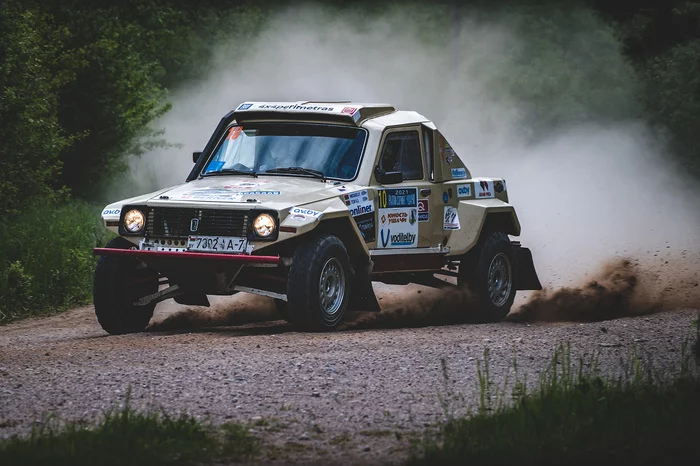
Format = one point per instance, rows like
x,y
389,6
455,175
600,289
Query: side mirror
x,y
195,156
388,177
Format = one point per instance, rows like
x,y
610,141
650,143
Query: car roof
x,y
347,112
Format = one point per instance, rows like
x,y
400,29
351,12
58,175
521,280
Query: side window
x,y
401,153
428,144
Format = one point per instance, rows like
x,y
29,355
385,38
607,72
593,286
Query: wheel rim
x,y
500,279
331,286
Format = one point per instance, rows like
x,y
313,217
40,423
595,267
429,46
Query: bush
x,y
46,260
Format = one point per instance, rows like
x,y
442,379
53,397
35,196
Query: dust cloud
x,y
237,310
550,107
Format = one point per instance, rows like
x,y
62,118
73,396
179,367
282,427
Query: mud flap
x,y
527,276
363,297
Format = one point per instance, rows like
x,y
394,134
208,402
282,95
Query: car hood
x,y
277,192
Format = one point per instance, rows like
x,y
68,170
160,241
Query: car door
x,y
404,209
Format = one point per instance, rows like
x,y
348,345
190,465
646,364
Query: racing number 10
x,y
383,198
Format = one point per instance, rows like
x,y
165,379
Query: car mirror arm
x,y
385,177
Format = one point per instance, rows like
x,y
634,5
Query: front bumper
x,y
209,273
145,255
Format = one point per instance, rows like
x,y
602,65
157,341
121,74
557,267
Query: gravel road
x,y
359,394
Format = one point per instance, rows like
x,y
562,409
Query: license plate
x,y
224,244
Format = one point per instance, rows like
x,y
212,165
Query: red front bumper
x,y
241,258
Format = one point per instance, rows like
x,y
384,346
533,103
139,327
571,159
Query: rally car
x,y
308,203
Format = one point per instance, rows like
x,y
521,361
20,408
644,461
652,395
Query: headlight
x,y
264,225
134,221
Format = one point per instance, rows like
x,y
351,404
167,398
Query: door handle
x,y
425,192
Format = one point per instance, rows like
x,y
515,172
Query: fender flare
x,y
481,217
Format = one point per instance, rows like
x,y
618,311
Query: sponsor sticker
x,y
357,197
446,152
365,223
244,106
305,212
423,210
234,133
396,239
297,107
398,213
397,197
259,193
246,184
451,219
349,110
111,212
222,194
215,166
459,173
399,228
449,154
464,190
360,209
499,186
483,189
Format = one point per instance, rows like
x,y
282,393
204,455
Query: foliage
x,y
562,77
34,68
662,40
673,96
127,436
575,416
46,261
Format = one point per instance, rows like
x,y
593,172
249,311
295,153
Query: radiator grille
x,y
177,222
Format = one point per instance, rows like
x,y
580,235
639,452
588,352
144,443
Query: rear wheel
x,y
318,287
119,281
489,272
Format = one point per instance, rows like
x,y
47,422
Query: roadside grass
x,y
46,260
575,416
129,437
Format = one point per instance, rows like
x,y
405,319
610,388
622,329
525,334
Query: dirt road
x,y
358,394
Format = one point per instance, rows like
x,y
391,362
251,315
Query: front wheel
x,y
119,281
318,287
489,272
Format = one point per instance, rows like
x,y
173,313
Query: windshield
x,y
334,151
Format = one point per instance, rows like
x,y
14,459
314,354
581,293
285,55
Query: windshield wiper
x,y
231,171
299,170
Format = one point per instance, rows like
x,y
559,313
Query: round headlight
x,y
134,221
264,225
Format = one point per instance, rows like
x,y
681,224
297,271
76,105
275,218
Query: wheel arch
x,y
341,226
480,219
346,230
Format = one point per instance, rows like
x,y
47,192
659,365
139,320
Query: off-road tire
x,y
474,269
304,306
114,291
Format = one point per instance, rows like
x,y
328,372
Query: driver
x,y
390,159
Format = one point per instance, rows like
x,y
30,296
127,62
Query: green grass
x,y
574,416
133,438
46,260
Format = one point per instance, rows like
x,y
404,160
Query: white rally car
x,y
308,203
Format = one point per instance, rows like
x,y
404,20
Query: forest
x,y
83,84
